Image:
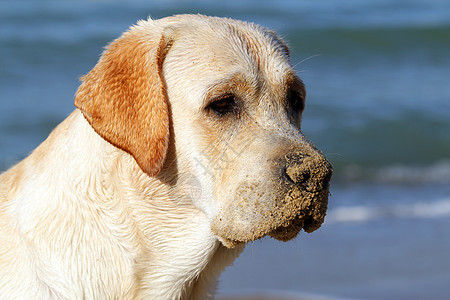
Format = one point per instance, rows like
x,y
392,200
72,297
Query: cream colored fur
x,y
81,219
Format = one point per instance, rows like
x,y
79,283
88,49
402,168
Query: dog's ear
x,y
124,99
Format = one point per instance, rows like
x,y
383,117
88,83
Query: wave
x,y
402,147
438,172
423,210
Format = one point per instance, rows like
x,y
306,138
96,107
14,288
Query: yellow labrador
x,y
185,145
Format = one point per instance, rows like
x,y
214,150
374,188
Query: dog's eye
x,y
223,105
297,102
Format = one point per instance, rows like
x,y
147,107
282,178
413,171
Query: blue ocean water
x,y
378,105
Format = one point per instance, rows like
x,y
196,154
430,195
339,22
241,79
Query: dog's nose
x,y
296,175
311,173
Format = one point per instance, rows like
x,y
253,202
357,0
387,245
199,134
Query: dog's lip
x,y
284,232
291,230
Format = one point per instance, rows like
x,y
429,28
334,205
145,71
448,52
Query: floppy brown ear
x,y
124,100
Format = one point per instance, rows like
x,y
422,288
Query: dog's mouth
x,y
286,233
307,211
294,212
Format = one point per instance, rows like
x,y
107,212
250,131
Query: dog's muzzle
x,y
305,189
296,199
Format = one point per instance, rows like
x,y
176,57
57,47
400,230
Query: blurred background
x,y
378,81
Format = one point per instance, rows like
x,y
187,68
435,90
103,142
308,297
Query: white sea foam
x,y
421,210
438,172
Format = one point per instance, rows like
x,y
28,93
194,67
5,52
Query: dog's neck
x,y
173,252
133,236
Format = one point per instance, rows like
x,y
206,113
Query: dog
x,y
185,144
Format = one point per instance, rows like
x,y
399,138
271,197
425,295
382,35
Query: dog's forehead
x,y
211,50
227,41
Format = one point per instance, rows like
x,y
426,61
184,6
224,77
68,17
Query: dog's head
x,y
226,92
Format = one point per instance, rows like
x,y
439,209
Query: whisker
x,y
306,59
334,154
